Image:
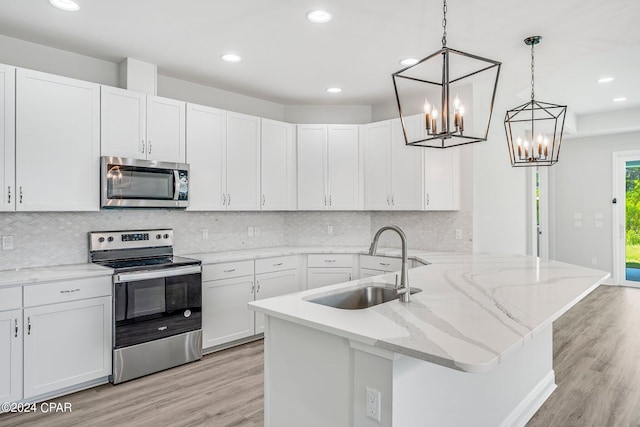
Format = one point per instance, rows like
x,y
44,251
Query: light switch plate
x,y
7,243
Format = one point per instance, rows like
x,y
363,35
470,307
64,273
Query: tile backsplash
x,y
53,238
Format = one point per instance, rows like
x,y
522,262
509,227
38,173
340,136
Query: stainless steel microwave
x,y
134,183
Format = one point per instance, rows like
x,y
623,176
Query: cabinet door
x,y
123,121
272,285
165,129
206,155
57,143
318,277
343,159
377,166
406,165
442,179
367,272
312,166
243,162
7,137
278,166
66,344
225,314
10,355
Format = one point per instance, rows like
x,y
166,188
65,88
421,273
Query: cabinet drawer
x,y
330,260
10,298
67,290
381,263
268,265
227,270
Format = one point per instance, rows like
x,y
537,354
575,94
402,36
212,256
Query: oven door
x,y
156,304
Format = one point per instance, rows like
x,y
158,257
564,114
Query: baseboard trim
x,y
530,404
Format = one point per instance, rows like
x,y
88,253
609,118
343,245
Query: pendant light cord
x,y
533,81
444,23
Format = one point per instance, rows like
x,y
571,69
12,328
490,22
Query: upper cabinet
x,y
140,126
8,137
328,167
223,152
57,143
278,166
442,179
393,177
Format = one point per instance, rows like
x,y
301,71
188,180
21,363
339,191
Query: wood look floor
x,y
596,361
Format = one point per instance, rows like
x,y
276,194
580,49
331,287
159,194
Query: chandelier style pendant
x,y
534,130
428,86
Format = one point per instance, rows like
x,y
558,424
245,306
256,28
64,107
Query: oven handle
x,y
156,274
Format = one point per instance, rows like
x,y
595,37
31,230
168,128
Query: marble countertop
x,y
25,276
474,309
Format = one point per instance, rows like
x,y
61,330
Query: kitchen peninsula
x,y
474,348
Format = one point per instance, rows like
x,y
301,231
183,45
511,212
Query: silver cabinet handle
x,y
329,260
325,200
393,202
385,264
263,200
224,199
28,325
349,276
156,274
20,194
277,265
388,200
253,287
258,288
228,199
427,199
142,146
149,147
329,199
9,194
230,271
70,291
16,335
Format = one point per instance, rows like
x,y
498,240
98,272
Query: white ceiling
x,y
288,60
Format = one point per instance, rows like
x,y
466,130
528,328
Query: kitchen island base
x,y
316,378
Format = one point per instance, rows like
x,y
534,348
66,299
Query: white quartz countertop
x,y
24,276
473,311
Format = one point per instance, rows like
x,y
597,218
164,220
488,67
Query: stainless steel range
x,y
157,301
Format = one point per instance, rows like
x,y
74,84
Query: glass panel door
x,y
632,221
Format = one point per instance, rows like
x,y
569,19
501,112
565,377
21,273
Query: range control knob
x,y
158,236
101,239
110,239
166,236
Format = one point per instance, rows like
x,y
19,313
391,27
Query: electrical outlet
x,y
594,261
329,229
250,231
256,231
458,234
7,243
373,404
205,234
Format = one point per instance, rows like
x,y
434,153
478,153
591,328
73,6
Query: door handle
x,y
228,199
142,146
224,199
388,200
263,200
20,194
16,335
9,194
393,202
149,146
28,325
329,200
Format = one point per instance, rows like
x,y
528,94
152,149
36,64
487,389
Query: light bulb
x,y
434,113
461,110
456,102
427,106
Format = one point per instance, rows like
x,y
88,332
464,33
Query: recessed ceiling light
x,y
68,5
619,99
318,16
409,61
606,79
231,57
334,90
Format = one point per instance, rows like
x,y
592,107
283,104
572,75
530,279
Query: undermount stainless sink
x,y
356,299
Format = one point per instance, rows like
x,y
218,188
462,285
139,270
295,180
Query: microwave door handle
x,y
176,184
156,274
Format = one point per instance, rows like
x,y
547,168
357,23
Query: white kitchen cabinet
x,y
243,162
328,167
278,166
393,177
57,143
272,285
8,137
223,152
442,179
141,126
10,355
66,344
329,269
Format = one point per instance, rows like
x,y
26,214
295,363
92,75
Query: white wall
x,y
582,184
334,114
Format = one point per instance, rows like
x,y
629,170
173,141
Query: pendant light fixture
x,y
534,129
454,92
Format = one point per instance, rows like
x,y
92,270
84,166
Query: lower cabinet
x,y
272,285
10,355
329,269
66,344
225,315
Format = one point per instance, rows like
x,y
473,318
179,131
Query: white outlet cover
x,y
250,231
373,404
7,243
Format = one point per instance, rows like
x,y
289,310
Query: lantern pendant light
x,y
534,129
427,88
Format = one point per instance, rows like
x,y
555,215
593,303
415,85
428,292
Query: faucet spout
x,y
403,288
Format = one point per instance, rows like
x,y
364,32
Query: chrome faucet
x,y
403,289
